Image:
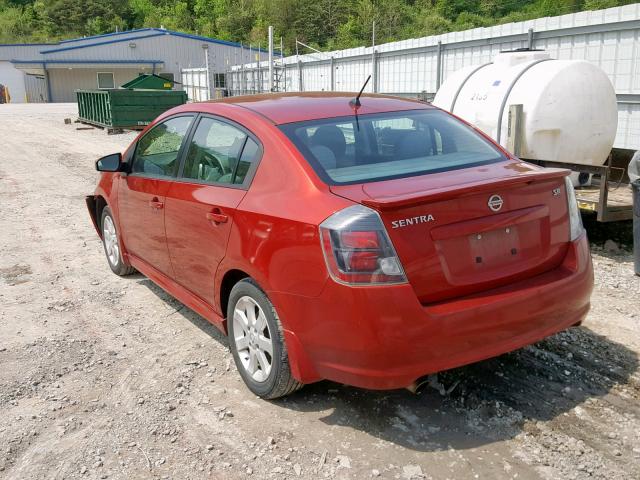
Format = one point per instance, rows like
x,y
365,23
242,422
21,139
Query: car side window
x,y
249,157
219,153
157,152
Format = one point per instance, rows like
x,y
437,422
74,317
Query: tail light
x,y
575,220
358,250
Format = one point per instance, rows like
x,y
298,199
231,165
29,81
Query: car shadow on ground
x,y
471,406
184,311
488,401
620,232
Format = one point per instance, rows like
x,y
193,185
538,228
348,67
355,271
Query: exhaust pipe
x,y
431,381
417,386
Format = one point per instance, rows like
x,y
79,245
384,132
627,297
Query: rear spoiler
x,y
455,191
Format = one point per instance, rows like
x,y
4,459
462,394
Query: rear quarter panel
x,y
274,237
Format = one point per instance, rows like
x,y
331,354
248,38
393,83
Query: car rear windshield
x,y
367,148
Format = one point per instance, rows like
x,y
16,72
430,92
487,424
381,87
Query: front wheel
x,y
257,342
112,245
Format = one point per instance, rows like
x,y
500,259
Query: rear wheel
x,y
112,245
257,342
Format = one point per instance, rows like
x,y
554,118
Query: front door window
x,y
157,152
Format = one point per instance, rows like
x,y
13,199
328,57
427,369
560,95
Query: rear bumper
x,y
383,338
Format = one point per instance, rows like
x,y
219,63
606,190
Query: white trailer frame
x,y
195,83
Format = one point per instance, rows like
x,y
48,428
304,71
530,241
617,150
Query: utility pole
x,y
374,61
205,47
439,66
251,69
283,68
260,83
270,58
241,69
299,67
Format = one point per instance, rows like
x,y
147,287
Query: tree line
x,y
324,24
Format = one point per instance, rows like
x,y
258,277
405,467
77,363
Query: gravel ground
x,y
104,377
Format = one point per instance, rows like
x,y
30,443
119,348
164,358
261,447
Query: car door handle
x,y
216,216
155,203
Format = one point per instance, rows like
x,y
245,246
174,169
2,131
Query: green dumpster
x,y
150,81
131,107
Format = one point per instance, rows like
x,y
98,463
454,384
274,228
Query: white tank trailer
x,y
569,110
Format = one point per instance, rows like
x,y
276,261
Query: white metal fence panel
x,y
609,38
628,134
349,74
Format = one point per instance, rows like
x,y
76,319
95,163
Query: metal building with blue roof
x,y
53,72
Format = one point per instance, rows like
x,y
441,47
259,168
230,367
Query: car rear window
x,y
367,148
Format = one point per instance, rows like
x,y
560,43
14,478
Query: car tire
x,y
253,324
111,244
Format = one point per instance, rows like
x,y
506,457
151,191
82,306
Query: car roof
x,y
291,107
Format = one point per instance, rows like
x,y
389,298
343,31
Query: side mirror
x,y
110,163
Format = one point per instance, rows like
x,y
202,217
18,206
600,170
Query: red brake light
x,y
360,239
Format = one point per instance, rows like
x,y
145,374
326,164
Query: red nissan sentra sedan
x,y
370,245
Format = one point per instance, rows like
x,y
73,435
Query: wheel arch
x,y
95,206
301,367
100,203
229,279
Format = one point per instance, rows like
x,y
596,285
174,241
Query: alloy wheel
x,y
110,241
252,338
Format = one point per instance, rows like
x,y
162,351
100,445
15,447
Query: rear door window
x,y
219,153
391,145
157,151
248,159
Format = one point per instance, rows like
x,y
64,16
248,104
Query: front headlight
x,y
575,220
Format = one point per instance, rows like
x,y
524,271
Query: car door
x,y
142,192
218,166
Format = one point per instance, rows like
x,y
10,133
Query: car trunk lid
x,y
474,229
